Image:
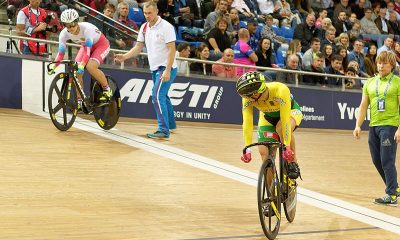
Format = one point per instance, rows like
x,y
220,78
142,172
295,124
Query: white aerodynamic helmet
x,y
69,16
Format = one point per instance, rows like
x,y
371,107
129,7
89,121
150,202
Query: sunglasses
x,y
70,25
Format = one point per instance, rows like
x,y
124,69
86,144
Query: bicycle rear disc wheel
x,y
290,195
62,102
269,201
106,116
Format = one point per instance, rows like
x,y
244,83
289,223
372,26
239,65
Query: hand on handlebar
x,y
288,154
246,157
81,69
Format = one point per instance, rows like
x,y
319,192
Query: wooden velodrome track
x,y
92,184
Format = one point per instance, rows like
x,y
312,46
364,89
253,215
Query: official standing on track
x,y
159,38
382,94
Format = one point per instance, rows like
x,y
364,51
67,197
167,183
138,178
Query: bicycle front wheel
x,y
269,200
290,196
62,102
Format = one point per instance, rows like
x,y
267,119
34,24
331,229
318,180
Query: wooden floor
x,y
80,185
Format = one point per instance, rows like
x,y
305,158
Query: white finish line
x,y
334,205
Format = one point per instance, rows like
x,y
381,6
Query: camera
x,y
11,10
47,20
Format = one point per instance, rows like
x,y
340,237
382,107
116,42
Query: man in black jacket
x,y
305,32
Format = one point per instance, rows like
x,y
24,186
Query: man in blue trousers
x,y
159,38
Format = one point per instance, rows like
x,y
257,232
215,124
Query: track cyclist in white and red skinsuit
x,y
94,49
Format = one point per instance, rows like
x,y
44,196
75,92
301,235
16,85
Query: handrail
x,y
204,61
70,3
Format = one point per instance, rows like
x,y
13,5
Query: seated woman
x,y
218,39
202,53
265,56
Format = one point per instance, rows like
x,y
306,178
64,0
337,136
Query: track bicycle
x,y
273,189
63,99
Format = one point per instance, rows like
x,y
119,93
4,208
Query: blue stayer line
x,y
291,233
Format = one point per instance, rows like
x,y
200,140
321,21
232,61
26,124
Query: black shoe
x,y
293,170
268,213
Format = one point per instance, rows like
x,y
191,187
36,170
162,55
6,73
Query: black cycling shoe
x,y
267,213
293,170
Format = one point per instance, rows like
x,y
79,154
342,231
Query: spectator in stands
x,y
266,58
310,53
376,7
397,52
327,51
166,10
185,11
329,38
266,7
343,40
370,64
355,32
369,29
323,13
343,6
268,32
358,56
335,68
218,40
304,7
131,3
358,9
220,10
123,10
394,23
387,45
202,53
244,11
305,32
352,19
222,70
97,5
342,51
235,22
30,23
292,63
295,48
341,24
320,7
350,83
325,26
183,51
109,33
390,10
244,54
316,67
382,23
252,25
288,18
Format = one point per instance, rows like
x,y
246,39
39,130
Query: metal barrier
x,y
343,87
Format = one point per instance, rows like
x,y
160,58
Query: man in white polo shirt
x,y
159,38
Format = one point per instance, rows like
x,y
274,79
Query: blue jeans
x,y
162,103
383,152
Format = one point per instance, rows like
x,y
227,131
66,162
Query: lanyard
x,y
36,16
386,89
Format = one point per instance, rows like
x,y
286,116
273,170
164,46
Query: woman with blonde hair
x,y
343,40
295,48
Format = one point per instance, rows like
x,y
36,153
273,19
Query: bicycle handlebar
x,y
267,144
66,61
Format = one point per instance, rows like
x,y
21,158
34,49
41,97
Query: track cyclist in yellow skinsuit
x,y
279,114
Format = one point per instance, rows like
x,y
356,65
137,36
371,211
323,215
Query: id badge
x,y
381,105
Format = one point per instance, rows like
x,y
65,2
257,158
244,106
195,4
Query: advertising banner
x,y
205,100
194,99
10,81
